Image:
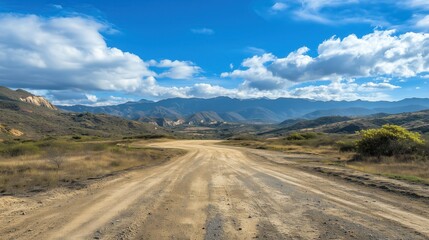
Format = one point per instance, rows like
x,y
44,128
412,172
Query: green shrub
x,y
301,136
388,140
15,150
346,146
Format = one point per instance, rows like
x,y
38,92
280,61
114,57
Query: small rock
x,y
239,229
149,214
250,216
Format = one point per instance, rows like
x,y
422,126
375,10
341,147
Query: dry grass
x,y
417,172
36,171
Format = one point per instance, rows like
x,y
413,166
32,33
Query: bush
x,y
15,150
389,140
346,146
301,136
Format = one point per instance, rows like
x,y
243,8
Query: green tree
x,y
389,140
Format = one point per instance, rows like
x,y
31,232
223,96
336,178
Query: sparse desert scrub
x,y
52,163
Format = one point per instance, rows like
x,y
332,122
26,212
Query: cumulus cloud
x,y
334,90
72,97
374,55
376,86
257,75
104,101
64,52
339,90
71,53
421,22
177,69
91,98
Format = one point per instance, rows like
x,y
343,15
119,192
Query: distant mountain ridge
x,y
415,121
225,109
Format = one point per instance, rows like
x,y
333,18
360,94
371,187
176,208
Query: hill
x,y
260,111
415,121
21,118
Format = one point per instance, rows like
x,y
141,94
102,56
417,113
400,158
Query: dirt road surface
x,y
216,192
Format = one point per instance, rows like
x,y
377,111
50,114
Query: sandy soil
x,y
216,192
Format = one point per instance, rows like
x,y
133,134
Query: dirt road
x,y
216,192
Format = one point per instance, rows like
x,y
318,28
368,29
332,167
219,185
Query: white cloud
x,y
91,98
109,101
70,53
414,4
57,6
177,69
340,90
257,75
255,50
379,54
204,31
319,11
64,52
376,54
385,13
279,6
319,4
376,86
421,22
73,97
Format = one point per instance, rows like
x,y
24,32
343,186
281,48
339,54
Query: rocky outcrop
x,y
38,101
10,131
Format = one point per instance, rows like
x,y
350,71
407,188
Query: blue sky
x,y
103,52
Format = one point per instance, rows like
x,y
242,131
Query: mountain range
x,y
24,115
194,111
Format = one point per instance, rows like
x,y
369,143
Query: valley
x,y
81,175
